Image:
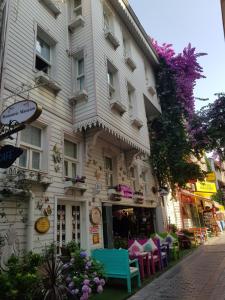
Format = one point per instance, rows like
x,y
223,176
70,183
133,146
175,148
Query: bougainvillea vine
x,y
171,143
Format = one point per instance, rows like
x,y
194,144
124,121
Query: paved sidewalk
x,y
199,276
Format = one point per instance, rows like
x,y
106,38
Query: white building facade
x,y
90,66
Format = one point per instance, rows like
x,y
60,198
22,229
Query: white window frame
x,y
108,173
107,14
145,181
81,76
77,8
133,178
68,224
126,45
30,149
80,54
131,99
71,160
112,84
52,43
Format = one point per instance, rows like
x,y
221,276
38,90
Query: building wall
x,y
104,51
59,117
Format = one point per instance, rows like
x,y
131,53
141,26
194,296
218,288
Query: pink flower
x,y
99,289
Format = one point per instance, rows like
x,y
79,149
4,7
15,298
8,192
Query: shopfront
x,y
189,210
123,222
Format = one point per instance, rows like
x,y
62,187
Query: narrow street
x,y
199,276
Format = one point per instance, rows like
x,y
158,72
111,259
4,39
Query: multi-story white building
x,y
90,65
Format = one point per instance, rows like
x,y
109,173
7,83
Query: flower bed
x,y
74,276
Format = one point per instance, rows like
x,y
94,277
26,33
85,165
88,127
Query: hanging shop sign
x,y
25,111
188,199
211,176
204,195
205,186
42,225
8,154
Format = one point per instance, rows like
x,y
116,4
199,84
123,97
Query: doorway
x,y
68,224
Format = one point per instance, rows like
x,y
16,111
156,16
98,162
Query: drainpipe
x,y
30,222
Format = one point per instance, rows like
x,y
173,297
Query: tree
x,y
170,137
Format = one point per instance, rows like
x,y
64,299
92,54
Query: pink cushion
x,y
135,248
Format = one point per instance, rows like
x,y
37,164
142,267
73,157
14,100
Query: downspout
x,y
5,53
30,222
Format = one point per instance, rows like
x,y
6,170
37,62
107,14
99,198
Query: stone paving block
x,y
200,276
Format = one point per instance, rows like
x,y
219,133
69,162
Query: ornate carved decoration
x,y
90,146
57,158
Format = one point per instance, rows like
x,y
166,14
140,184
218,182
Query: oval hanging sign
x,y
25,111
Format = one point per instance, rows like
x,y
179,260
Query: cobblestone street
x,y
199,276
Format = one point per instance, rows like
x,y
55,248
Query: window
x,y
80,74
107,15
133,178
144,182
42,61
31,143
131,98
70,159
109,171
112,79
45,52
77,8
67,231
126,45
110,83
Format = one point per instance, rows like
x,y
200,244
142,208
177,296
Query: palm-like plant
x,y
51,271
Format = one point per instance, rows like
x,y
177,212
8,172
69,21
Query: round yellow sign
x,y
42,225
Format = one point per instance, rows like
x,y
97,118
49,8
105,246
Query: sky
x,y
199,22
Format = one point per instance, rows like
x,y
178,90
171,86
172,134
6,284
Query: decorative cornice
x,y
98,122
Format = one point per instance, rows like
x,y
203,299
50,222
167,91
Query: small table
x,y
143,260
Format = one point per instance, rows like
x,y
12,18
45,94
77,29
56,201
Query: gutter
x,y
138,23
135,28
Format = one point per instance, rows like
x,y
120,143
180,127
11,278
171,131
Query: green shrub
x,y
20,279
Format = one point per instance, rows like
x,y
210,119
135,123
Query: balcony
x,y
118,106
137,122
109,35
23,177
43,79
76,23
138,197
130,62
77,184
151,90
50,4
79,96
114,195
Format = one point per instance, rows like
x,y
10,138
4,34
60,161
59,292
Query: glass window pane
x,y
80,66
108,163
23,159
78,12
31,135
106,20
36,136
36,160
70,149
110,78
130,100
80,83
66,168
43,49
77,3
74,171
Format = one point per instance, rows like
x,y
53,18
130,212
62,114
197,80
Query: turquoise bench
x,y
117,265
